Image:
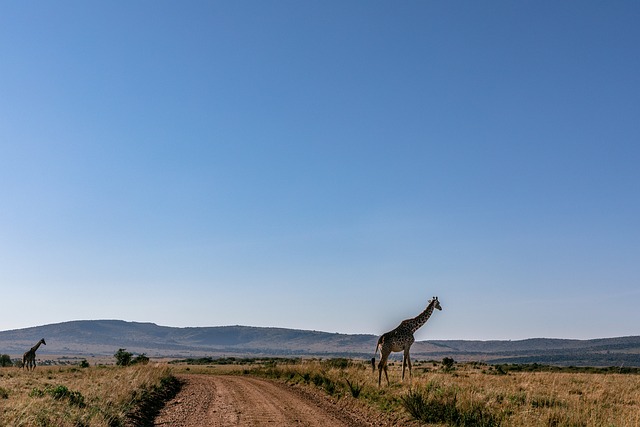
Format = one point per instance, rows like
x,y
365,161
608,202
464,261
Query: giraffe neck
x,y
35,347
422,318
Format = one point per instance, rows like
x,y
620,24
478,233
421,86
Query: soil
x,y
225,400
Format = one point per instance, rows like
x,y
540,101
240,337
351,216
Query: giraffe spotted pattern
x,y
401,339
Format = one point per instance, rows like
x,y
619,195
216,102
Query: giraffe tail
x,y
377,346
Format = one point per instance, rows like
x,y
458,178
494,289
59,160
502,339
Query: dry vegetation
x,y
462,395
475,394
106,396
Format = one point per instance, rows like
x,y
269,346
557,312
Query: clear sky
x,y
324,165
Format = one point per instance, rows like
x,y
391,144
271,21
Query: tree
x,y
123,357
447,363
5,360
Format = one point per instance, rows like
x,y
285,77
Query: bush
x,y
123,357
5,360
448,363
141,359
501,370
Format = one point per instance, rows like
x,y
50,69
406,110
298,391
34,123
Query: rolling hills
x,y
104,337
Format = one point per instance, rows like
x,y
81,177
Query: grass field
x,y
469,394
476,394
80,397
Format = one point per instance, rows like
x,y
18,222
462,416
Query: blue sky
x,y
322,165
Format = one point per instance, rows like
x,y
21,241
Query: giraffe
x,y
401,338
29,358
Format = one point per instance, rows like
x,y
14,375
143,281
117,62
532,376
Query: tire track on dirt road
x,y
225,400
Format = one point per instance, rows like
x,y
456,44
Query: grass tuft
x,y
424,405
354,387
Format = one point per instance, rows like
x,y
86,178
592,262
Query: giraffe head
x,y
436,303
42,341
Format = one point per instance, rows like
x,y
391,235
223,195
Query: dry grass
x,y
477,392
71,396
546,399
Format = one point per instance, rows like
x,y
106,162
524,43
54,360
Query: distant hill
x,y
104,337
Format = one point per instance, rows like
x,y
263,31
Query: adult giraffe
x,y
401,338
29,358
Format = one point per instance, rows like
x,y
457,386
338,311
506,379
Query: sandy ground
x,y
225,400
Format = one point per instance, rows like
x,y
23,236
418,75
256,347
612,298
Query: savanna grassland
x,y
454,394
104,396
473,394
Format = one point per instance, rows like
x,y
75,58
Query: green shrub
x,y
36,392
123,357
330,386
477,416
141,359
5,360
447,363
60,392
317,380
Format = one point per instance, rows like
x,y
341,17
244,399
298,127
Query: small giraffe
x,y
401,338
29,358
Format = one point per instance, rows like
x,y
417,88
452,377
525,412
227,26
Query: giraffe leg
x,y
383,365
404,362
386,373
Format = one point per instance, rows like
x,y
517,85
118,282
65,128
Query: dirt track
x,y
223,400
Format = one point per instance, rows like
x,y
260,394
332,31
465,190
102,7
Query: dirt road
x,y
224,400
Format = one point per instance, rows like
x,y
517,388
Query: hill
x,y
103,338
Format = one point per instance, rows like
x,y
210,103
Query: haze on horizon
x,y
322,165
